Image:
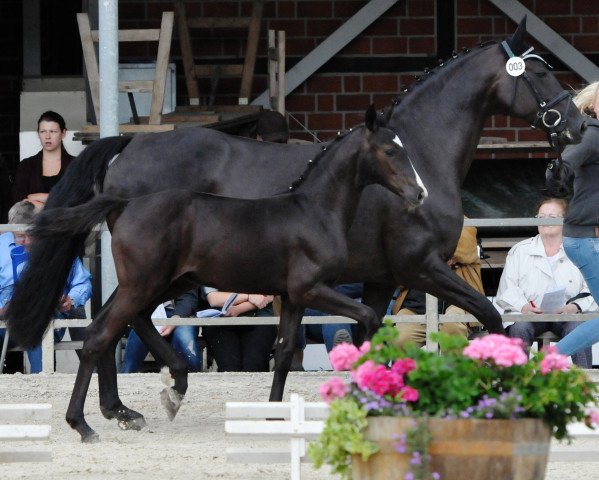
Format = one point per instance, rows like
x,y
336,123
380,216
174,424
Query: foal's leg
x,y
110,403
100,335
171,397
291,317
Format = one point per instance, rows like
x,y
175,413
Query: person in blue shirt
x,y
77,291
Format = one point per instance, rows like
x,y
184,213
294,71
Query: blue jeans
x,y
584,253
321,333
184,340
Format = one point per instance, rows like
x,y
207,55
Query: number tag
x,y
515,66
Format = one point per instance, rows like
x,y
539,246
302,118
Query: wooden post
x,y
250,53
432,321
276,70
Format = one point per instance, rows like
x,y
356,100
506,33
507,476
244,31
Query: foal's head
x,y
387,162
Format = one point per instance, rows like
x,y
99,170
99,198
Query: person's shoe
x,y
341,336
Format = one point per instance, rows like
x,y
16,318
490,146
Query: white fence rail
x,y
432,319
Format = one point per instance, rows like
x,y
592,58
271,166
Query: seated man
x,y
466,264
15,245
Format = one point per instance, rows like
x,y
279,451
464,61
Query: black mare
x,y
439,121
293,245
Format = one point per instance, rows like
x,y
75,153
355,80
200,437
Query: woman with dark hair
x,y
36,175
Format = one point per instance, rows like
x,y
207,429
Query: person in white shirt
x,y
537,265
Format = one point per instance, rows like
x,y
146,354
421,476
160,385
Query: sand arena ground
x,y
192,446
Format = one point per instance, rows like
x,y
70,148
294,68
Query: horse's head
x,y
388,163
527,88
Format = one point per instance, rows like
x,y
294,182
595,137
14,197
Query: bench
x,y
294,422
20,423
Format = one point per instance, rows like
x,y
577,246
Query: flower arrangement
x,y
490,378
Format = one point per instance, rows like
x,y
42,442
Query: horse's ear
x,y
516,41
370,120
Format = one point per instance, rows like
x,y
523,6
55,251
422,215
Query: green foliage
x,y
481,382
342,437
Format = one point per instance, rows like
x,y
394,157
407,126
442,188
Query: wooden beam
x,y
330,47
550,39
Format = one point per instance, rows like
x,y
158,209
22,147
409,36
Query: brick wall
x,y
406,35
405,40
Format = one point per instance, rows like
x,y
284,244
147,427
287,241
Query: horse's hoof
x,y
127,419
90,438
166,378
171,401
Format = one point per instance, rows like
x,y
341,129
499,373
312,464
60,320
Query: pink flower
x,y
409,394
554,361
364,348
504,351
592,418
332,389
403,366
378,379
343,356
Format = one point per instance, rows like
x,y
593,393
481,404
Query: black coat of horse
x,y
293,245
439,121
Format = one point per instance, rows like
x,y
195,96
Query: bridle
x,y
546,110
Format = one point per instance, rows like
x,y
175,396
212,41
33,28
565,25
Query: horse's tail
x,y
57,235
86,173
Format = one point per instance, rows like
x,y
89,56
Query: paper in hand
x,y
213,312
553,300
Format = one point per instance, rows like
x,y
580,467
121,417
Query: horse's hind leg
x,y
323,297
291,317
442,282
171,397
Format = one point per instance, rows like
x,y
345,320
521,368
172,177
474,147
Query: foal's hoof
x,y
92,437
171,401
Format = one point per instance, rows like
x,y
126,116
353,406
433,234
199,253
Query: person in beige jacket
x,y
537,265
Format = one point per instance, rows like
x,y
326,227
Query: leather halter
x,y
546,109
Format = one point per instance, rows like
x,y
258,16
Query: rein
x,y
545,108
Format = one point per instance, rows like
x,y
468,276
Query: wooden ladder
x,y
194,72
162,35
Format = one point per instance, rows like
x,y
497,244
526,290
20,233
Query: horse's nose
x,y
421,196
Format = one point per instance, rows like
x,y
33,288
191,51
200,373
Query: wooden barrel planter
x,y
461,449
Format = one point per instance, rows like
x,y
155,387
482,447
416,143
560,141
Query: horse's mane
x,y
313,161
516,44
